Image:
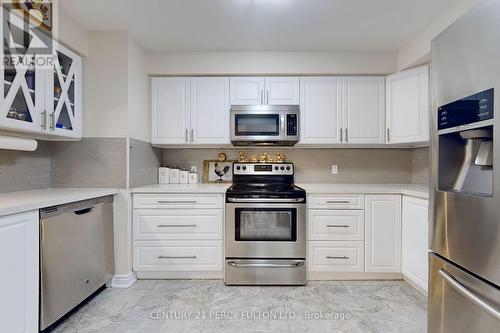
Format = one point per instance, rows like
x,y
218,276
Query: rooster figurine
x,y
220,172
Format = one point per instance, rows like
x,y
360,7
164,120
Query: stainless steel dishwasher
x,y
76,255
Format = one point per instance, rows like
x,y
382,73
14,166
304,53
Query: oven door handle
x,y
266,264
272,200
467,293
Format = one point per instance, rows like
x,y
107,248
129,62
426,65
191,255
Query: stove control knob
x,y
276,167
238,167
244,167
288,168
282,168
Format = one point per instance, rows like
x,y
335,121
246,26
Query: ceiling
x,y
261,25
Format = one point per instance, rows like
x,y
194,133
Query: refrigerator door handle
x,y
467,293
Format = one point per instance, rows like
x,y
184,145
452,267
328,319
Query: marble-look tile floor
x,y
171,306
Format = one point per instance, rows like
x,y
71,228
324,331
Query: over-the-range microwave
x,y
276,125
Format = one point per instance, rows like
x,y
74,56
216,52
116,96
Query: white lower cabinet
x,y
383,233
178,235
335,256
354,236
19,249
176,256
336,224
415,241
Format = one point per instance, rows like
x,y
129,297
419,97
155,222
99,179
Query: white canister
x,y
163,175
193,178
174,176
183,177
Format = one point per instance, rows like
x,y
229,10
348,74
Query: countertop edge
x,y
63,199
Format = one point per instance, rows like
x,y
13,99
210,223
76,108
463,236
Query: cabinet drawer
x,y
178,201
336,225
177,256
337,201
178,224
336,256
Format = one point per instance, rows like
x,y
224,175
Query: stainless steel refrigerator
x,y
464,265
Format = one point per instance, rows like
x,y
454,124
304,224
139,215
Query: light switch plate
x,y
335,169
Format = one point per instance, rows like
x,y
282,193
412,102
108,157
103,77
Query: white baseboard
x,y
416,283
180,275
332,276
123,281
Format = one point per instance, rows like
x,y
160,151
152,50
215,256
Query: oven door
x,y
265,230
267,126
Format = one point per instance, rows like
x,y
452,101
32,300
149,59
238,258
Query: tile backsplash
x,y
420,161
23,171
313,165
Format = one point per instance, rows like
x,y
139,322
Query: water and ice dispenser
x,y
465,145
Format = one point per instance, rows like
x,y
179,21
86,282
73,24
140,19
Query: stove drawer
x,y
176,224
336,256
336,201
177,256
191,201
336,225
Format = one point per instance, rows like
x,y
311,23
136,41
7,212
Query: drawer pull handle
x,y
177,257
343,257
338,201
337,226
176,225
176,202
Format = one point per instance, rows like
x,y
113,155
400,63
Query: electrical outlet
x,y
335,169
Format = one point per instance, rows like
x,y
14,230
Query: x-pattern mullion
x,y
64,98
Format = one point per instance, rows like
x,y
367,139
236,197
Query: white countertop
x,y
183,188
416,190
17,202
421,191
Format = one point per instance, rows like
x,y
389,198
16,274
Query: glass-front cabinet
x,y
63,94
41,93
22,81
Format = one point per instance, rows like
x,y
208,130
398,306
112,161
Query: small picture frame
x,y
217,172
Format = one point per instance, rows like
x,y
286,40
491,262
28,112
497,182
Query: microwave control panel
x,y
291,125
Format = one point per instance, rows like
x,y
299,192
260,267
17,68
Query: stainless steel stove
x,y
265,241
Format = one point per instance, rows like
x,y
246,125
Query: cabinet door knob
x,y
341,135
186,135
388,135
192,135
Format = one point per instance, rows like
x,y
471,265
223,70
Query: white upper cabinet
x,y
279,90
64,93
415,240
282,90
247,90
383,233
210,110
364,110
189,110
19,256
408,105
170,103
320,110
41,94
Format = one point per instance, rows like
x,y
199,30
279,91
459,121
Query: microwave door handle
x,y
283,126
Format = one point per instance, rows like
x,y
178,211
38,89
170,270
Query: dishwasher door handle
x,y
84,211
